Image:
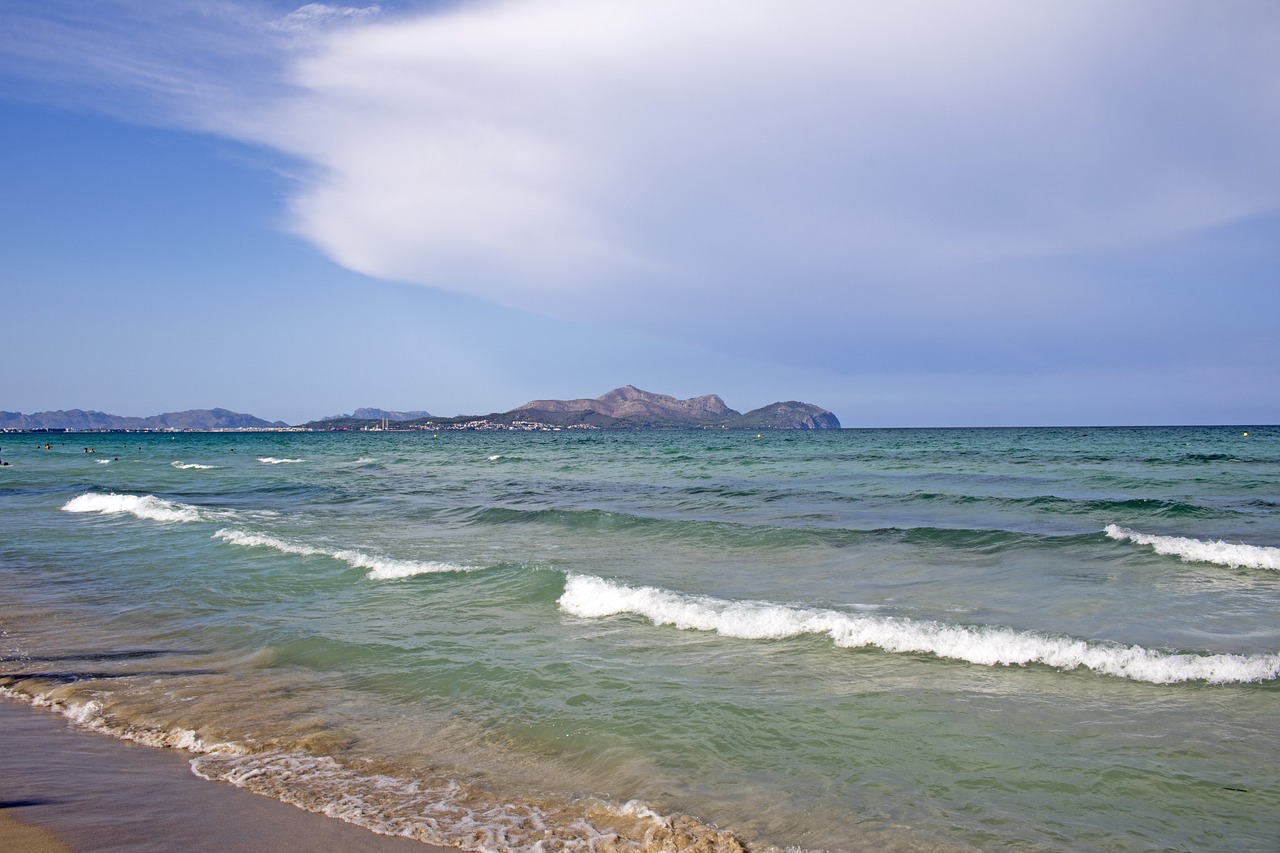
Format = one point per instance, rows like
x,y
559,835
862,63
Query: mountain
x,y
788,415
76,420
212,419
629,407
380,415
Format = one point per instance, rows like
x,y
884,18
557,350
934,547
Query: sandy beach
x,y
63,789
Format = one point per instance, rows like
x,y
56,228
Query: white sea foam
x,y
1199,551
436,809
103,461
448,812
148,507
193,466
592,598
91,714
380,568
271,460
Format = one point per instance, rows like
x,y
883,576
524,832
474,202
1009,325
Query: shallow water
x,y
1049,639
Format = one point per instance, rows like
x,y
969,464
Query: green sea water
x,y
1044,639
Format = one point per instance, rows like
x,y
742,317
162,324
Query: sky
x,y
988,213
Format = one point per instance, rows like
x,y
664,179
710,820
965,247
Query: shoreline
x,y
66,789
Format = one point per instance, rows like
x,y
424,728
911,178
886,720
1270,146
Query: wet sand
x,y
15,835
63,789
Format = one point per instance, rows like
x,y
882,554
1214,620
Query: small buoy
x,y
758,435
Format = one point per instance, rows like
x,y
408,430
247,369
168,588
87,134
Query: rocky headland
x,y
627,407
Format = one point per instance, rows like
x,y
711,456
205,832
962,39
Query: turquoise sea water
x,y
995,639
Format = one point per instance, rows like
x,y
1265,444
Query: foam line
x,y
380,568
1220,553
592,598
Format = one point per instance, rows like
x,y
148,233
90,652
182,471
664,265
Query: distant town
x,y
478,425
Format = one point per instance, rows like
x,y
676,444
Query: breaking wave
x,y
592,598
380,568
272,460
1199,551
192,465
147,507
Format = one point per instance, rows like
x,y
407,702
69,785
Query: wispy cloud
x,y
314,15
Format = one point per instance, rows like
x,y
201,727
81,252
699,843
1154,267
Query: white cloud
x,y
876,169
538,151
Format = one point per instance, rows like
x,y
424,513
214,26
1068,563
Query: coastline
x,y
64,789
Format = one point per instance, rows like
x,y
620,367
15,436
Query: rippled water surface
x,y
1048,639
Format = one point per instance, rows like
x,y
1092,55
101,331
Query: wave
x,y
90,714
1192,459
380,568
192,466
1058,506
431,807
451,813
1220,553
1155,507
147,507
756,536
272,460
593,598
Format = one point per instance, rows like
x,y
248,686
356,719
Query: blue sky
x,y
925,214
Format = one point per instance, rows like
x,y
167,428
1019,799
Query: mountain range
x,y
76,420
627,407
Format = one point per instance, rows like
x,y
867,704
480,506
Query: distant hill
x,y
627,407
380,415
788,415
76,420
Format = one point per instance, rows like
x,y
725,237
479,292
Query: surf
x,y
379,568
590,597
147,507
1217,552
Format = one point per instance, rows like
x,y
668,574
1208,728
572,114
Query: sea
x,y
1046,639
